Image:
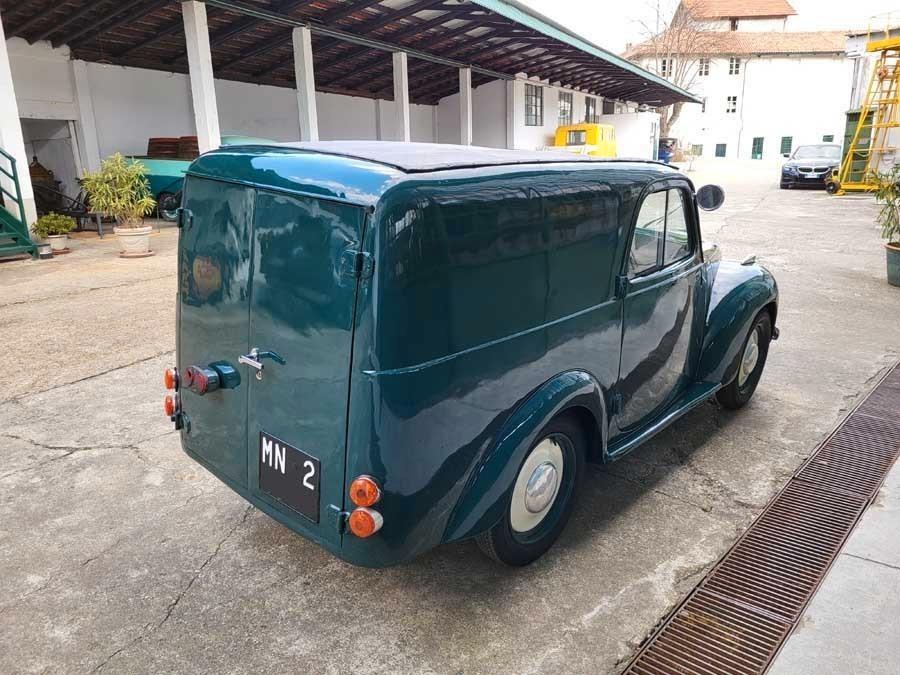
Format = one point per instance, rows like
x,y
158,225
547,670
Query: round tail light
x,y
172,404
170,378
364,522
364,491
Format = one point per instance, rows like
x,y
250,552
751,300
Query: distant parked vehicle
x,y
598,140
167,175
810,165
666,149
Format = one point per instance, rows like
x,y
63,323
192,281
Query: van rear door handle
x,y
255,357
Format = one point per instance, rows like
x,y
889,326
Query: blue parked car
x,y
389,346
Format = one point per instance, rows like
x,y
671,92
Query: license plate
x,y
813,176
289,475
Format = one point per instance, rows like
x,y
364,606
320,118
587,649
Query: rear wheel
x,y
167,205
750,363
542,496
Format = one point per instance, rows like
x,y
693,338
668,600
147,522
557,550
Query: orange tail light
x,y
170,378
171,404
364,522
364,491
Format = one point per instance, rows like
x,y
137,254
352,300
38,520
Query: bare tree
x,y
672,49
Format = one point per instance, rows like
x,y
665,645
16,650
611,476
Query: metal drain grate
x,y
737,618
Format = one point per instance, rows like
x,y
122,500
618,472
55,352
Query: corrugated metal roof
x,y
251,42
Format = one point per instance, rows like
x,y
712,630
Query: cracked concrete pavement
x,y
119,554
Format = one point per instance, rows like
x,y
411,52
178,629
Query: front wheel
x,y
542,496
750,363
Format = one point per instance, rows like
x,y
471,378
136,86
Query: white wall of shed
x,y
133,104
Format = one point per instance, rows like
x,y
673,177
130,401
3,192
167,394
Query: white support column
x,y
86,126
11,139
511,114
305,79
401,96
465,106
203,90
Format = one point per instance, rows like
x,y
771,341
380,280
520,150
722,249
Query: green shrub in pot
x,y
888,195
54,228
120,189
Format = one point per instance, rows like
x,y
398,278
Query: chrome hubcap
x,y
536,486
749,359
540,488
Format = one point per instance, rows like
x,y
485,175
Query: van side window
x,y
678,243
661,233
648,233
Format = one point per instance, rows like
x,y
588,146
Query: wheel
x,y
783,186
542,496
167,205
832,186
750,363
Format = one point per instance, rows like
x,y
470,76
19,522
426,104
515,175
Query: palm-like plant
x,y
888,195
120,190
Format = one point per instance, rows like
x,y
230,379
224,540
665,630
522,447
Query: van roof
x,y
424,157
360,172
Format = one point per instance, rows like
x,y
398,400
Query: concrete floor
x,y
118,554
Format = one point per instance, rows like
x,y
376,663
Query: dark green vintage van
x,y
388,346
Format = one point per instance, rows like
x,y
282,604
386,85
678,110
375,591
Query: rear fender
x,y
737,294
483,502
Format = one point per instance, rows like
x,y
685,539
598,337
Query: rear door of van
x,y
281,434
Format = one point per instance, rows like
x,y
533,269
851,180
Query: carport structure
x,y
408,51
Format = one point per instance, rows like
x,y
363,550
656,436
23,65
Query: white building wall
x,y
637,133
132,104
751,25
488,116
804,97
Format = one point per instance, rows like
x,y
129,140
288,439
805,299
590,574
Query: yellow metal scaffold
x,y
875,141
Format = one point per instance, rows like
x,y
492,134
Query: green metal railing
x,y
13,174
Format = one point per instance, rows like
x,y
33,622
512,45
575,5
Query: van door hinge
x,y
615,403
184,217
337,517
358,263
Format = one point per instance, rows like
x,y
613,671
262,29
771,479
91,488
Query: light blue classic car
x,y
166,176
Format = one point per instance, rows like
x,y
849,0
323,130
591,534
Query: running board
x,y
694,396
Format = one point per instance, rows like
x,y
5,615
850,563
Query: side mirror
x,y
710,197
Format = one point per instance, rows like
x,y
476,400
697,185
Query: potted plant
x,y
120,190
54,228
888,195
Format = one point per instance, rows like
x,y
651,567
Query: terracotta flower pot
x,y
892,252
134,241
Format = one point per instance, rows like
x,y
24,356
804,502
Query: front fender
x,y
483,501
737,294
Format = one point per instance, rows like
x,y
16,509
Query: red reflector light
x,y
364,522
364,491
196,380
170,378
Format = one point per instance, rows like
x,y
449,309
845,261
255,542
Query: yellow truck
x,y
587,139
